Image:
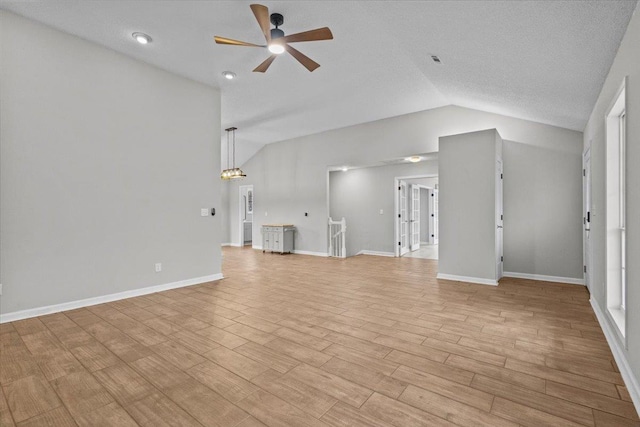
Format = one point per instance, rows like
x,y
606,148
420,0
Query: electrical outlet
x,y
158,267
204,212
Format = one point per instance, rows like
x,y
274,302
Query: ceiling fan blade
x,y
263,67
323,33
224,40
309,63
262,16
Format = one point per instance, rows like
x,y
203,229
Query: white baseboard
x,y
477,280
424,243
49,309
630,380
298,252
257,247
376,253
543,278
225,244
236,245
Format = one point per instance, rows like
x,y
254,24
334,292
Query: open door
x,y
415,217
499,223
403,223
433,216
586,220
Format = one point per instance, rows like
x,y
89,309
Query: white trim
x,y
377,253
543,278
477,280
258,247
236,245
426,243
632,383
225,244
322,254
49,309
240,209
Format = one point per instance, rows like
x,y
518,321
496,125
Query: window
x,y
616,211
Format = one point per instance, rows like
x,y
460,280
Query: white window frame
x,y
616,245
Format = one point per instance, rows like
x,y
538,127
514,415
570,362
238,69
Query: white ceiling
x,y
538,60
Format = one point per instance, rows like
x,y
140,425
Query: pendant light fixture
x,y
231,172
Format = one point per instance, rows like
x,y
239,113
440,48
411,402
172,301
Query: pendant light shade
x,y
231,172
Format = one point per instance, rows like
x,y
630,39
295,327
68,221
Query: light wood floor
x,y
304,341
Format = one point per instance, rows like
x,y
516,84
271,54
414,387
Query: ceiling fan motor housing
x,y
276,33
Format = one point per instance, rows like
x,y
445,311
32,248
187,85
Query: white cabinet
x,y
278,238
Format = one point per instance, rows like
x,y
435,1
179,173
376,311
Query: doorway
x,y
245,215
416,217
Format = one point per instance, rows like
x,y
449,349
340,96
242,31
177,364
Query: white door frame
x,y
396,208
586,220
241,211
499,214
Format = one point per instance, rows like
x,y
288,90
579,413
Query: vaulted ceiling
x,y
538,60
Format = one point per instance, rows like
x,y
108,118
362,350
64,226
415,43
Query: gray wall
x,y
467,205
290,177
105,164
626,63
359,194
223,212
542,211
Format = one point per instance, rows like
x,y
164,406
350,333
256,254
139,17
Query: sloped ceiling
x,y
538,60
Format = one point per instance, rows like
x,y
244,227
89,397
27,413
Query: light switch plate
x,y
204,212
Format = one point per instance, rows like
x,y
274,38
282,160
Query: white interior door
x,y
415,217
403,223
434,216
586,220
499,222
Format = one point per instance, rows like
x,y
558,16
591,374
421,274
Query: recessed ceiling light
x,y
142,38
344,169
414,159
229,75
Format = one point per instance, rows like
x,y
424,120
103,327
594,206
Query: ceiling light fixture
x,y
231,172
142,38
344,169
229,75
414,159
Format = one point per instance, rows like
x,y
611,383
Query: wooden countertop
x,y
277,225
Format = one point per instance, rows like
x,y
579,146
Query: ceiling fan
x,y
277,42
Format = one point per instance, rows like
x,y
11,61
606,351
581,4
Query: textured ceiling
x,y
538,60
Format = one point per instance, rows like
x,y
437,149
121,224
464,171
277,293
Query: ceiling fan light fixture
x,y
142,38
275,47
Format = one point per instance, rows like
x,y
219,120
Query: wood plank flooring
x,y
305,341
